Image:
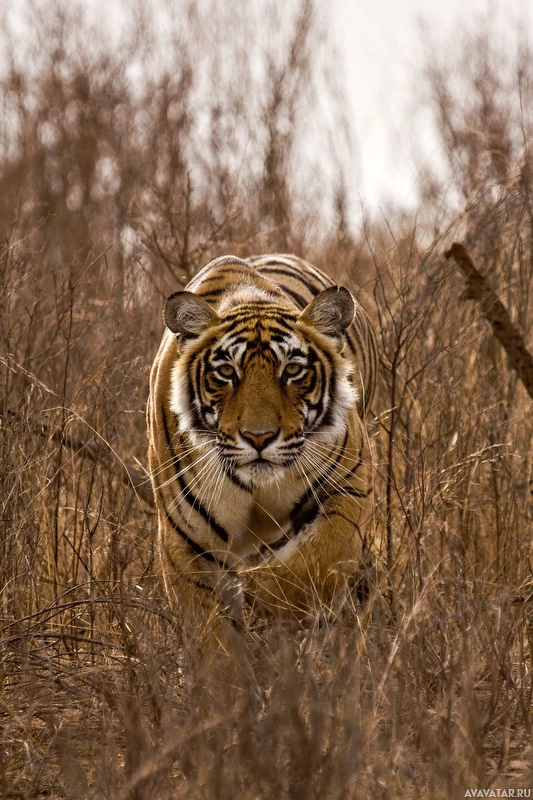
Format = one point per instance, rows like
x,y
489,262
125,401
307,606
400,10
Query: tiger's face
x,y
260,381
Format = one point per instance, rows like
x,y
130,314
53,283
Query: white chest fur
x,y
257,518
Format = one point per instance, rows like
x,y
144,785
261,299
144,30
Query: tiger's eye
x,y
226,370
293,369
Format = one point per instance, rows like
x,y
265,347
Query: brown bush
x,y
127,163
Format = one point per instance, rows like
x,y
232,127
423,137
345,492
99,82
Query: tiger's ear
x,y
188,314
331,311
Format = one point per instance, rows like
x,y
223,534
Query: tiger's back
x,y
258,453
302,282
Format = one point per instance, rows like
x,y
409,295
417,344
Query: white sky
x,y
380,40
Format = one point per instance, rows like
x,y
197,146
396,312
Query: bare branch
x,y
129,473
495,312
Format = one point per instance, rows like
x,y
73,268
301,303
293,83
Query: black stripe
x,y
340,514
213,293
358,463
297,276
218,262
300,301
187,493
221,353
319,276
230,473
298,265
323,417
224,276
246,315
267,548
356,492
318,481
201,585
305,516
195,547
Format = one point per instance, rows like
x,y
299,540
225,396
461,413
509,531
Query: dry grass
x,y
113,191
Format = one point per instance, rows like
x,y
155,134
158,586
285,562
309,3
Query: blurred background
x,y
386,49
139,140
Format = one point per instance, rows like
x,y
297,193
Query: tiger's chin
x,y
260,473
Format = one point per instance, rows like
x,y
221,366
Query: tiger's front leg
x,y
208,607
313,567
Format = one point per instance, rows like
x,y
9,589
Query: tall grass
x,y
127,164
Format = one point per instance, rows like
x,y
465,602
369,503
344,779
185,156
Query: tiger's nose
x,y
259,440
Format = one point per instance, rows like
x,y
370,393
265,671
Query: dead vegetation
x,y
126,165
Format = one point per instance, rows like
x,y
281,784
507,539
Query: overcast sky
x,y
382,50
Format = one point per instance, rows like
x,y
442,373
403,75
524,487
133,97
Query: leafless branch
x,y
495,312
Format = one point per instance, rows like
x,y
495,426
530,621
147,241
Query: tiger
x,y
258,452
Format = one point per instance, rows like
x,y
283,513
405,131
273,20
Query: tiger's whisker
x,y
185,469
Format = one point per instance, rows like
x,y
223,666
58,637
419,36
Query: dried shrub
x,y
129,160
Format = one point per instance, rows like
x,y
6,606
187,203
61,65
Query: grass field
x,y
114,190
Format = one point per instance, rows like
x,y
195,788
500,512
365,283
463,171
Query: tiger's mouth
x,y
259,472
260,463
263,462
262,471
269,465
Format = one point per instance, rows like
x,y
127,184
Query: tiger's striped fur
x,y
257,449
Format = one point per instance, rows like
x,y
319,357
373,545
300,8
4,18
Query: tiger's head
x,y
259,378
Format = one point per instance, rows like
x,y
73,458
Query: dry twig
x,y
129,473
495,312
